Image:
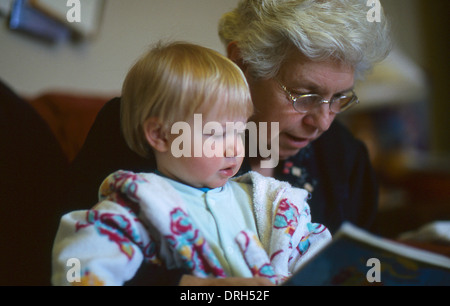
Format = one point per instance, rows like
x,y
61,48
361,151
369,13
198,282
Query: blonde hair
x,y
266,30
172,82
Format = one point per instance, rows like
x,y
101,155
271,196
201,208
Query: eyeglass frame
x,y
294,99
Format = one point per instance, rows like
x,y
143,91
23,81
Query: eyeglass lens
x,y
307,103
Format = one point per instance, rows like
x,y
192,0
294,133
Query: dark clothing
x,y
33,169
337,170
336,166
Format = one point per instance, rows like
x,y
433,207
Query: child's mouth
x,y
227,171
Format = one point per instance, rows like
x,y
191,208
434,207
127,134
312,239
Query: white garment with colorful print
x,y
221,214
142,217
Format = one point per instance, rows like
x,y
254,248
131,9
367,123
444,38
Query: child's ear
x,y
155,135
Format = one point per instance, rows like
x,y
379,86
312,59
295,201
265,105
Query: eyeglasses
x,y
306,103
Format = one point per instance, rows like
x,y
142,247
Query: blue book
x,y
357,258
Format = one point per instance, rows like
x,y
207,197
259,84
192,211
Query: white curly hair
x,y
265,31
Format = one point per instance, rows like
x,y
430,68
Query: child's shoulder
x,y
253,177
240,183
269,185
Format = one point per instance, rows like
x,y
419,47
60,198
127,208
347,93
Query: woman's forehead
x,y
300,72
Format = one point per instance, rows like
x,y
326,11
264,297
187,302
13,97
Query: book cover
x,y
357,258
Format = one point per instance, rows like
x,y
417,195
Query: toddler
x,y
187,106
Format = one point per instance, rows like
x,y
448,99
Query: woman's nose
x,y
320,117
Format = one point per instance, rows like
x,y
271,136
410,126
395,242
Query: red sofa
x,y
69,116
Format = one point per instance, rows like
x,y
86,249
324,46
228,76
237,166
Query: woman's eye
x,y
299,94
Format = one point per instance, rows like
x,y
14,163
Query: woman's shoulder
x,y
338,142
340,136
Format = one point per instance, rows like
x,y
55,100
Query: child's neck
x,y
204,189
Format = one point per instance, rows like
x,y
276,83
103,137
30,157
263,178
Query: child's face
x,y
215,155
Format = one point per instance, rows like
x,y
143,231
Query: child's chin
x,y
217,184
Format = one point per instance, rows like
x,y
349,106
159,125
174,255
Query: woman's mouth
x,y
296,142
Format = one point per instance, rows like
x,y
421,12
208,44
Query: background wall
x,y
421,29
128,27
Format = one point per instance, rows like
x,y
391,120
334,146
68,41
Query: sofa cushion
x,y
69,116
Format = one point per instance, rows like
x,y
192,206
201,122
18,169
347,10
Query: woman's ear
x,y
234,54
155,135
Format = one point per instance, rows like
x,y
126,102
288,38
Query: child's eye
x,y
214,134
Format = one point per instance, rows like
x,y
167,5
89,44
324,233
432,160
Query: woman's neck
x,y
255,165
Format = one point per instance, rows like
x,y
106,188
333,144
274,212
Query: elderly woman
x,y
301,59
